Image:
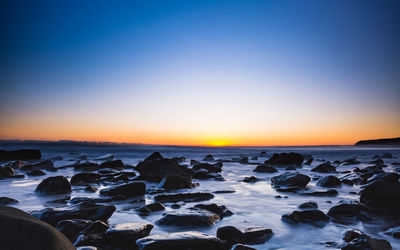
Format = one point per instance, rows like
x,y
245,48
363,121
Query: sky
x,y
216,73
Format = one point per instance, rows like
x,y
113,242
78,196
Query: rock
x,y
309,161
175,181
156,170
85,178
125,235
329,181
387,155
224,191
394,231
127,190
250,179
72,228
44,165
361,241
86,166
54,185
16,165
351,161
256,235
116,164
7,201
306,216
209,158
287,179
194,162
186,197
324,193
222,211
154,156
345,210
378,162
91,189
19,230
192,218
93,212
153,207
6,172
182,240
24,154
35,173
265,169
385,177
325,167
242,247
231,235
309,205
285,159
77,200
382,196
244,160
351,235
97,227
254,158
203,174
213,168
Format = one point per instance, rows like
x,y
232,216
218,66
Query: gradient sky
x,y
200,72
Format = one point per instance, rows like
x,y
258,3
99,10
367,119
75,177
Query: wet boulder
x,y
156,170
6,172
19,230
127,190
308,205
351,161
182,240
154,156
290,180
16,165
86,166
231,235
263,168
24,154
382,196
216,168
85,178
175,181
192,218
345,210
309,161
250,179
385,177
124,235
306,216
329,181
203,174
325,167
72,228
222,210
209,158
185,197
285,159
91,212
394,231
35,173
54,185
360,241
7,201
43,165
116,164
256,234
150,208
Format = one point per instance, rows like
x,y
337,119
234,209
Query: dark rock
x,y
250,179
16,165
7,201
77,200
210,167
35,173
175,181
361,241
222,211
44,165
186,197
97,227
256,235
153,207
285,159
306,216
351,235
324,193
382,195
54,185
156,170
72,228
263,154
182,240
378,162
203,174
385,177
91,189
86,166
116,164
254,158
309,161
329,181
351,161
127,190
294,180
209,158
154,156
24,154
244,160
85,178
224,191
387,155
242,247
345,210
231,235
179,159
6,172
325,167
265,169
124,236
308,205
92,212
394,231
192,218
194,162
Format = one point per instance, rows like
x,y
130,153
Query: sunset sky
x,y
200,72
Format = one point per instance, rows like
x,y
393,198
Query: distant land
x,y
380,142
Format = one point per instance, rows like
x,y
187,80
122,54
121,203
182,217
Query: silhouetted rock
x,y
153,207
175,181
382,195
242,247
360,241
345,210
256,234
385,177
19,230
285,159
7,201
124,235
154,156
329,181
24,154
54,185
127,190
203,174
208,158
6,172
35,173
182,240
72,228
213,168
294,180
85,178
325,167
309,161
265,169
156,170
192,218
308,205
306,216
394,231
116,164
231,235
222,211
250,179
186,197
86,166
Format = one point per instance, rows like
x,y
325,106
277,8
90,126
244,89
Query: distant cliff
x,y
378,142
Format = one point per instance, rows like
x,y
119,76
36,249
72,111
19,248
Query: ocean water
x,y
253,204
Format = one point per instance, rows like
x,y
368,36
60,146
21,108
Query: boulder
x,y
385,177
127,190
351,161
154,156
149,208
124,235
382,196
361,241
265,169
209,158
222,210
329,181
24,154
35,173
116,164
285,159
186,197
394,231
175,181
306,216
72,228
242,247
92,212
345,210
325,167
192,218
209,167
182,240
156,170
231,235
203,174
256,234
308,205
85,178
19,230
6,172
54,185
287,179
250,179
86,166
7,201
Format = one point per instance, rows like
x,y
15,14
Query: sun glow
x,y
218,143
